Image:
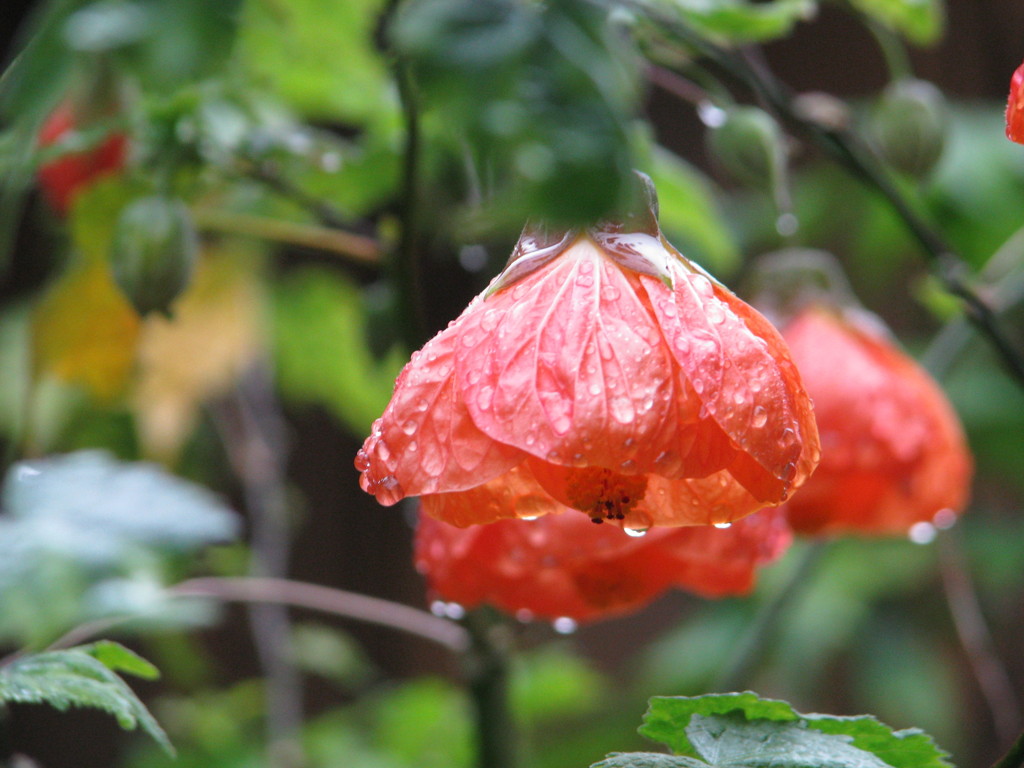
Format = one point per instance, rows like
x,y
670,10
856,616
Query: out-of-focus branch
x,y
1014,758
976,640
252,430
337,602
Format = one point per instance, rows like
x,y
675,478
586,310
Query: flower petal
x,y
568,365
425,441
893,451
513,494
740,369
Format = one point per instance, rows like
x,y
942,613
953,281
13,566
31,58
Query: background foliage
x,y
357,170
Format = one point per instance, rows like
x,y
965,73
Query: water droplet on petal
x,y
563,625
530,518
723,526
628,465
413,446
635,532
698,386
760,417
421,405
409,427
485,397
594,389
715,313
388,490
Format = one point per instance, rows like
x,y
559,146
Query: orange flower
x,y
893,453
1015,107
561,565
61,179
600,371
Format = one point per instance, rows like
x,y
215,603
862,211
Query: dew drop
x,y
490,320
668,309
409,427
723,526
454,611
922,533
715,313
594,389
421,405
739,398
437,607
563,625
388,490
362,463
530,518
610,293
628,465
474,376
524,615
579,460
944,519
485,397
698,386
760,417
635,532
561,424
413,446
531,438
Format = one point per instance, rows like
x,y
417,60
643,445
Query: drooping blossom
x,y
1015,107
604,372
892,449
561,565
62,178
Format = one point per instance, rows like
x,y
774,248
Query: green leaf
x,y
647,760
117,658
741,21
553,683
77,678
95,507
921,21
321,349
723,729
542,95
293,49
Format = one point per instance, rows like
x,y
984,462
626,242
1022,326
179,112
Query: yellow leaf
x,y
198,354
84,332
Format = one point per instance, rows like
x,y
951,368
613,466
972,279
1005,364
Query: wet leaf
x,y
741,21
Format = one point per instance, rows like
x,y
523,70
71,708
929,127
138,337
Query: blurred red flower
x,y
61,179
561,565
604,372
1015,107
892,450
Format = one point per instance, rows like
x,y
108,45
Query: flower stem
x,y
1014,758
488,673
753,646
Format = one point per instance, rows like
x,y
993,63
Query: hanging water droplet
x,y
437,607
760,417
524,615
698,386
711,115
787,224
723,526
563,625
628,465
944,519
413,446
454,611
922,533
635,532
530,518
485,397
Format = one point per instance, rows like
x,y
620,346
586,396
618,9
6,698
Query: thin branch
x,y
252,431
364,250
336,602
976,640
488,672
753,646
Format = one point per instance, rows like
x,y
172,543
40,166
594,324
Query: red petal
x,y
426,442
893,453
568,365
740,369
513,494
1015,107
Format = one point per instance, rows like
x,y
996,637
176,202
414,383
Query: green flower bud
x,y
154,252
750,146
909,126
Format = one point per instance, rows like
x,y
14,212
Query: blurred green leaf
x,y
741,21
921,21
553,683
74,526
690,214
293,50
543,93
321,349
743,729
648,760
77,678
